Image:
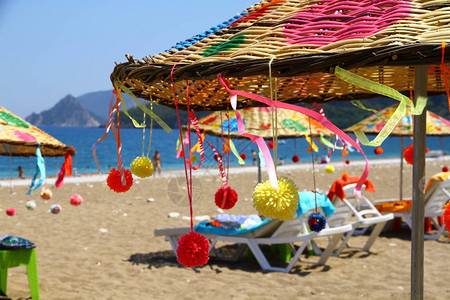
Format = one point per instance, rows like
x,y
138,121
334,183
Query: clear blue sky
x,y
49,49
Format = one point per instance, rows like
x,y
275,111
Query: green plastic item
x,y
16,258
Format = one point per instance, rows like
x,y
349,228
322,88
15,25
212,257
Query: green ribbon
x,y
328,143
387,91
141,106
236,153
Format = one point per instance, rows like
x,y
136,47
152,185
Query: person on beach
x,y
20,170
254,157
157,161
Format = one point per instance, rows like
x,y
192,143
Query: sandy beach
x,y
106,248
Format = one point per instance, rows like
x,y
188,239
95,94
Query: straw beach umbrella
x,y
19,138
301,51
263,121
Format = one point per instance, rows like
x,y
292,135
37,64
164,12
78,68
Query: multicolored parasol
x,y
436,125
19,138
258,121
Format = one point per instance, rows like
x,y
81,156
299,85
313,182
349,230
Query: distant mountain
x,y
68,112
97,103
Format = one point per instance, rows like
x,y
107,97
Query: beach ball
x,y
225,197
114,180
378,151
329,169
444,169
270,145
281,204
295,158
10,211
243,156
316,222
142,167
193,250
46,194
76,199
30,204
55,209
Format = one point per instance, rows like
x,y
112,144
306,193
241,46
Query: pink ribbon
x,y
317,116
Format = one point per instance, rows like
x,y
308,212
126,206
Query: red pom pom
x,y
114,180
76,199
271,145
347,162
295,158
345,176
378,151
243,156
10,211
444,169
193,250
408,154
226,197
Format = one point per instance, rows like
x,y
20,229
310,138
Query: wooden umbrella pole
x,y
402,147
418,192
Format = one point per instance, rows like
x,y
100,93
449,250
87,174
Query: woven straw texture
x,y
19,138
258,121
436,125
299,42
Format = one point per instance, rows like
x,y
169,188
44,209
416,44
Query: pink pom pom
x,y
10,211
225,197
76,199
193,250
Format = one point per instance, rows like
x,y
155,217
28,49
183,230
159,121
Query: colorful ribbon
x,y
221,168
387,91
193,119
40,171
317,116
141,106
64,169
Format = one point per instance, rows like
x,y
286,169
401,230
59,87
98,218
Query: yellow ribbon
x,y
236,153
311,143
387,91
141,106
358,103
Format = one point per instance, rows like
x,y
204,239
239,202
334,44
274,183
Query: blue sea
x,y
132,139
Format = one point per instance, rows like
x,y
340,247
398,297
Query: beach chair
x,y
361,214
265,229
437,194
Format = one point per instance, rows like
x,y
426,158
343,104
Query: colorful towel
x,y
10,242
308,202
337,189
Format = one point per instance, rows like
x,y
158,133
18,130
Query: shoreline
x,y
99,177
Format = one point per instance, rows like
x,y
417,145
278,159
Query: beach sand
x,y
106,248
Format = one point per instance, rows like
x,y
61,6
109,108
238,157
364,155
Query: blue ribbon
x,y
40,171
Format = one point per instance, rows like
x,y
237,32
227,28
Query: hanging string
x,y
181,145
143,134
189,147
151,128
295,146
444,72
274,117
229,137
313,170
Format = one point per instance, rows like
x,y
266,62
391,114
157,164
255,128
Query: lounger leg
x,y
344,242
373,236
332,242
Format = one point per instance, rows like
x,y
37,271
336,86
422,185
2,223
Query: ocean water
x,y
132,146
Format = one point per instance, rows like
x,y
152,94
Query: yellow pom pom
x,y
329,169
280,204
142,167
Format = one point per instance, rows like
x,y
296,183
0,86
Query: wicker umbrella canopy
x,y
258,121
436,125
19,138
299,42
